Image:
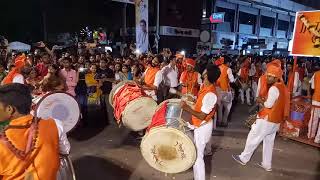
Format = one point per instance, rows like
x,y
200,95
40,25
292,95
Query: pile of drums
x,y
168,144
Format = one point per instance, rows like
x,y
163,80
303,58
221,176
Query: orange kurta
x,y
290,81
258,74
203,91
316,95
150,75
244,74
223,81
190,79
277,113
43,162
9,78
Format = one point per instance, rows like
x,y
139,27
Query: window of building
x,y
266,26
228,24
283,27
247,23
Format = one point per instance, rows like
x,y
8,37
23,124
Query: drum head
x,y
60,106
168,150
115,88
138,113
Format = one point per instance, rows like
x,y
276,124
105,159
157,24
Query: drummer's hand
x,y
191,99
183,85
259,100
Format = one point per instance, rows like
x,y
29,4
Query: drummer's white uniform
x,y
262,130
314,125
64,145
202,136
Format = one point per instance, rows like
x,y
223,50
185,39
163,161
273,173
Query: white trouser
x,y
202,136
254,89
314,125
223,111
247,95
265,131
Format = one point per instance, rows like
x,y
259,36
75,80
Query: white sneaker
x,y
266,169
238,160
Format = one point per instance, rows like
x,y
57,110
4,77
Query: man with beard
x,y
202,114
190,79
268,121
149,77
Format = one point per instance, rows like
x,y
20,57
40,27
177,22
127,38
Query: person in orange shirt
x,y
202,115
224,91
314,125
255,78
244,81
268,120
149,77
181,63
190,79
15,76
294,82
29,147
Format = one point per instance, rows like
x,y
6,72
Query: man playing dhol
x,y
202,114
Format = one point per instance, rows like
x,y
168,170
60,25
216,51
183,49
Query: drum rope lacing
x,y
124,96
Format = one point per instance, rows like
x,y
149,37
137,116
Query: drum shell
x,y
116,88
175,151
173,112
66,170
135,111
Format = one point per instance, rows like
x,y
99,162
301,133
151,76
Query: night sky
x,y
22,20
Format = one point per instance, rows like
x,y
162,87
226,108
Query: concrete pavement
x,y
112,153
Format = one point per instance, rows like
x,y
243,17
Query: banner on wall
x,y
306,35
142,38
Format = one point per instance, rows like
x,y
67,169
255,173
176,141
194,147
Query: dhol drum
x,y
60,106
132,106
166,146
66,170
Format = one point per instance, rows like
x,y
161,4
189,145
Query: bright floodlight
x,y
137,51
183,53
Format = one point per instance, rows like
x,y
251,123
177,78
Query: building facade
x,y
251,26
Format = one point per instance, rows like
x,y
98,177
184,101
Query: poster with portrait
x,y
306,34
142,38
